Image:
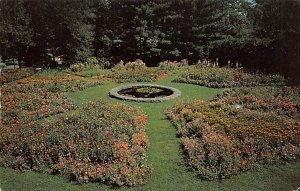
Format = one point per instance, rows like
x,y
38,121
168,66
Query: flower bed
x,y
60,81
137,71
42,130
171,65
281,100
40,96
89,71
220,141
22,104
12,75
227,77
97,142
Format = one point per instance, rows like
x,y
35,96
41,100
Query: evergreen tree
x,y
233,29
78,19
278,24
264,32
150,39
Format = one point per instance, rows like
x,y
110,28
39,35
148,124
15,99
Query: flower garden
x,y
254,121
137,71
44,131
221,141
216,77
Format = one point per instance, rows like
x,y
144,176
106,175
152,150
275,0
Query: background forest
x,y
264,34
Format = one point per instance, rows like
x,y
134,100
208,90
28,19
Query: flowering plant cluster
x,y
37,97
137,71
89,71
12,75
55,81
135,65
227,77
220,141
28,100
41,129
77,67
206,63
282,100
171,65
31,139
96,142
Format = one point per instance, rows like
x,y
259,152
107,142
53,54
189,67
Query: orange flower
x,y
143,119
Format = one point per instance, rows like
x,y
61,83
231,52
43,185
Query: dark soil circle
x,y
145,93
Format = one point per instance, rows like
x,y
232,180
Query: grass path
x,y
164,151
169,173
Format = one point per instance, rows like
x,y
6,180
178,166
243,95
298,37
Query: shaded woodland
x,y
263,35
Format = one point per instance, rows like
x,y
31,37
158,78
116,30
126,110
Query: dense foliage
x,y
262,34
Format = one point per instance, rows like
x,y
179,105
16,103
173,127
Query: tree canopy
x,y
262,34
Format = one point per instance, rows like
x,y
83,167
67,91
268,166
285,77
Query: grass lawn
x,y
169,173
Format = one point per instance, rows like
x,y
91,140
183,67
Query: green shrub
x,y
92,61
105,63
89,71
92,67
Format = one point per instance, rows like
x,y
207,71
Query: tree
x,y
231,29
61,29
78,17
277,23
16,34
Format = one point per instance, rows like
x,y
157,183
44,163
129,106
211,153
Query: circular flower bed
x,y
145,93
